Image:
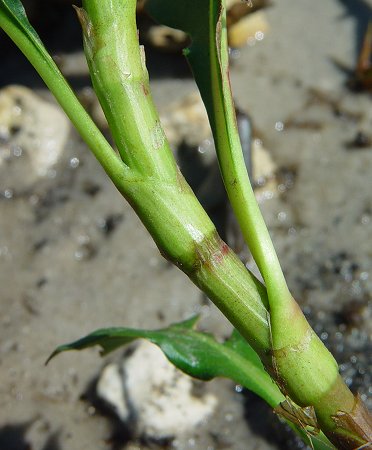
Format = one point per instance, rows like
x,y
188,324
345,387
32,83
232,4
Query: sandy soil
x,y
65,272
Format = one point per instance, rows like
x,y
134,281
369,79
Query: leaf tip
x,y
57,351
52,355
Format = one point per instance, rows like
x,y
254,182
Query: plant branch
x,y
14,22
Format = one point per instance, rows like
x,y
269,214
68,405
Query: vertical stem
x,y
33,49
121,82
234,170
181,228
174,217
160,195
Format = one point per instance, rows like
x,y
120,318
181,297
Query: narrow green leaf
x,y
195,353
15,9
200,356
238,344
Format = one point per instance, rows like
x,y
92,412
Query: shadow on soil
x,y
13,437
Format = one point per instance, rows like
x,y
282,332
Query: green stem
x,y
236,178
38,56
120,64
157,190
214,85
185,235
151,182
181,228
160,195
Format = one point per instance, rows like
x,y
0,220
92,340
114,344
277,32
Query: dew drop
x,y
8,193
279,126
74,163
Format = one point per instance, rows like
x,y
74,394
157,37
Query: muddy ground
x,y
74,257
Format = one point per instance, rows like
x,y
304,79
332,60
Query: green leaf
x,y
195,353
200,356
199,19
15,10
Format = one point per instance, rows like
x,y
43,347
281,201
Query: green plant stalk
x,y
160,195
234,172
33,49
164,201
162,198
304,368
184,235
166,196
290,331
300,362
205,21
289,327
302,365
145,151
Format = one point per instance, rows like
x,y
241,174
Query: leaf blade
x,y
195,353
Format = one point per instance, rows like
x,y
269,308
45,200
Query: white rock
x,y
33,131
159,397
251,27
110,389
243,24
166,38
264,172
186,120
